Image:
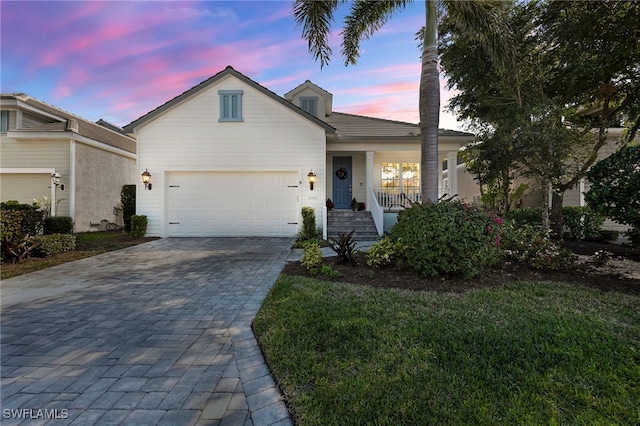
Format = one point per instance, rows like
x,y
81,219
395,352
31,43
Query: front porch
x,y
384,181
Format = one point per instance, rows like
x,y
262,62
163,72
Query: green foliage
x,y
615,186
328,271
582,223
448,238
308,231
138,226
523,353
18,222
528,216
128,202
533,246
52,244
345,247
385,252
58,225
608,235
312,258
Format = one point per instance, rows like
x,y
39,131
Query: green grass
x,y
526,353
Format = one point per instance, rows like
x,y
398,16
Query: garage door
x,y
24,187
232,204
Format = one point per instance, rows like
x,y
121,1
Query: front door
x,y
342,182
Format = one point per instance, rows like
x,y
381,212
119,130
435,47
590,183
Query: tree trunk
x,y
545,204
429,105
556,215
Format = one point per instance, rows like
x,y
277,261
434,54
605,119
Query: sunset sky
x,y
117,60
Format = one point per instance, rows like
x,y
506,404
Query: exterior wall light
x,y
311,177
146,179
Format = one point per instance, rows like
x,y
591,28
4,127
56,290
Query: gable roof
x,y
130,128
62,121
350,126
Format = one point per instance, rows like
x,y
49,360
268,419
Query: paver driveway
x,y
158,333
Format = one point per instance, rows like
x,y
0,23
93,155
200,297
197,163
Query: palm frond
x,y
483,18
364,19
316,17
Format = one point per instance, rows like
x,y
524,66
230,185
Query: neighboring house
x,y
469,190
44,149
231,158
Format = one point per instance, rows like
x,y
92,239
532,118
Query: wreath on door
x,y
341,173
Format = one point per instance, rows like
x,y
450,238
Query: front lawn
x,y
516,353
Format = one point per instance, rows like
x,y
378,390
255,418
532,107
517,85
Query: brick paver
x,y
159,333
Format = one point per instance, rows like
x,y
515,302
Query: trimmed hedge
x,y
128,201
58,225
138,226
49,245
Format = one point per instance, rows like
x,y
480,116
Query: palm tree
x,y
368,16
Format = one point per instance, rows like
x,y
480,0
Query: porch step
x,y
345,221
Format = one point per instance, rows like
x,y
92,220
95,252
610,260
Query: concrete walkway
x,y
156,334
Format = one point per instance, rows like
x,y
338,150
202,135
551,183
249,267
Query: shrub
x,y
582,223
52,244
448,238
608,235
328,271
385,252
18,222
58,225
345,247
308,230
531,245
128,201
527,216
312,258
138,226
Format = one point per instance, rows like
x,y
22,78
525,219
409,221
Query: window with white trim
x,y
309,104
402,177
230,105
4,121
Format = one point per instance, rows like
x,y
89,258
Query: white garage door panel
x,y
24,187
232,204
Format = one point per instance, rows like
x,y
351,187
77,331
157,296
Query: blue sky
x,y
117,60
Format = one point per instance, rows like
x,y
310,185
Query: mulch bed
x,y
392,277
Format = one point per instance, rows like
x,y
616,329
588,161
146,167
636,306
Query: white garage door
x,y
24,187
232,204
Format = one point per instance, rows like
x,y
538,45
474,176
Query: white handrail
x,y
377,211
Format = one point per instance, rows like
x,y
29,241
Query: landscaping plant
x,y
128,202
448,238
581,223
345,247
312,258
138,226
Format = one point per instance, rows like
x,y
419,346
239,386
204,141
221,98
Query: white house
x,y
229,157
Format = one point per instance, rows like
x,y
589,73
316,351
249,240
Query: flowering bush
x,y
529,244
449,238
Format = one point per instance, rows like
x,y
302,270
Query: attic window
x,y
4,121
310,105
230,105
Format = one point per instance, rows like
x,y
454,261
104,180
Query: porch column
x,y
369,177
452,172
441,188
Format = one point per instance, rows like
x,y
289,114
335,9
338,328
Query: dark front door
x,y
342,182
